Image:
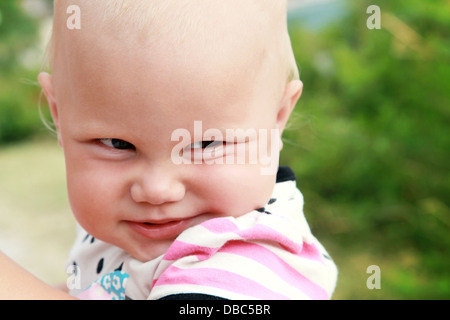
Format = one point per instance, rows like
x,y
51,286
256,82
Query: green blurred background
x,y
369,142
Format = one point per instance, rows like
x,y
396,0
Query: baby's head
x,y
139,92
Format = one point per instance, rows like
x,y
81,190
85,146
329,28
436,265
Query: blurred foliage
x,y
18,94
370,140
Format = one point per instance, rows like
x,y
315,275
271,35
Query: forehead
x,y
179,19
191,30
163,88
159,92
210,70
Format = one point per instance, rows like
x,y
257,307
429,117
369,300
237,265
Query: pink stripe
x,y
220,225
180,249
311,252
256,232
214,278
262,232
269,259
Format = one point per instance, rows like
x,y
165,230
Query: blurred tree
x,y
18,96
372,140
18,32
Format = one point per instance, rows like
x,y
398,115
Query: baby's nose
x,y
158,186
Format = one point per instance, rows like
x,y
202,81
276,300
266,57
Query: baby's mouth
x,y
160,230
161,224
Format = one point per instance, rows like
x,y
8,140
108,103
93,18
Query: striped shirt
x,y
267,254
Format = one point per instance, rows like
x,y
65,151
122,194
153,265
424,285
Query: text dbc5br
x,y
247,309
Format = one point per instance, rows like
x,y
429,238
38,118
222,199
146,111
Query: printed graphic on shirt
x,y
109,287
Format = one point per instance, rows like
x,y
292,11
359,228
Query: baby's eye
x,y
205,144
118,144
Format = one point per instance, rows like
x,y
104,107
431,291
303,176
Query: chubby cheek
x,y
234,190
92,198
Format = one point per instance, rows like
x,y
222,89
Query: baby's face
x,y
132,181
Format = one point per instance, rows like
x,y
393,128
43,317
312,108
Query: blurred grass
x,y
36,226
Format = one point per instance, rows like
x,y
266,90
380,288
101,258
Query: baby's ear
x,y
291,95
46,82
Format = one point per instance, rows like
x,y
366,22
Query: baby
x,y
167,216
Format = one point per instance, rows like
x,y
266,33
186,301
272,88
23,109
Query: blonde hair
x,y
171,18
